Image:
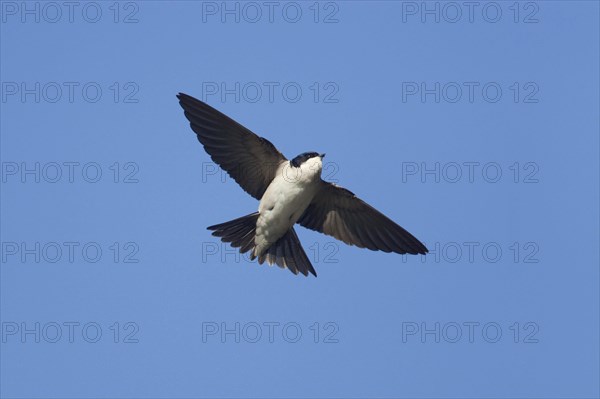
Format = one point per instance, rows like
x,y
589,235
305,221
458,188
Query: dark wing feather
x,y
337,212
252,161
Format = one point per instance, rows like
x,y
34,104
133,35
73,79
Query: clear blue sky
x,y
477,132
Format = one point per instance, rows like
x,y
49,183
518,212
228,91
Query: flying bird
x,y
290,192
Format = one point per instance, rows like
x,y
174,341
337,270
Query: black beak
x,y
322,155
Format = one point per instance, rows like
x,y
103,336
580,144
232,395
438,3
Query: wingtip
x,y
421,250
182,96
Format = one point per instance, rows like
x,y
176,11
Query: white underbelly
x,y
280,208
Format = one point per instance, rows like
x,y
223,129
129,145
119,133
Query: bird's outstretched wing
x,y
252,161
337,212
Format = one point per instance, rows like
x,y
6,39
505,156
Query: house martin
x,y
290,192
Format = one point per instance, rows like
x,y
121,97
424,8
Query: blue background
x,y
179,286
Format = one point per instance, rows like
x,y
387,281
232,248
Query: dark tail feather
x,y
288,252
239,232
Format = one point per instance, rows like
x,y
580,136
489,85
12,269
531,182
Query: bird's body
x,y
285,200
290,192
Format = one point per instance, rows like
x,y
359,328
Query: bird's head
x,y
309,163
312,158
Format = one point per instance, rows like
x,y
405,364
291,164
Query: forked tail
x,y
286,252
